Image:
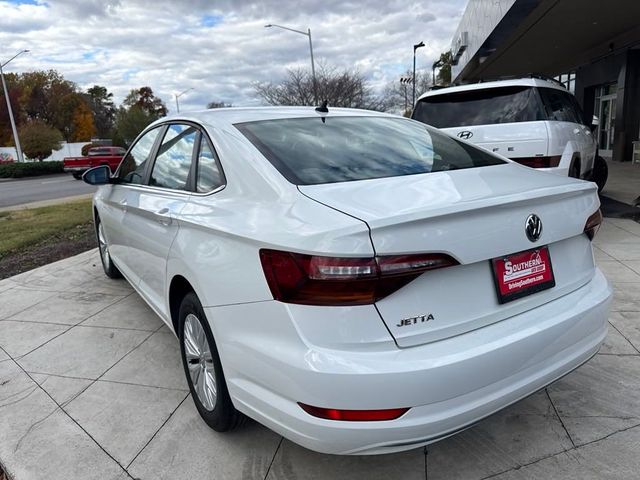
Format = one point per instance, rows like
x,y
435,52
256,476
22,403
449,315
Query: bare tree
x,y
340,88
397,94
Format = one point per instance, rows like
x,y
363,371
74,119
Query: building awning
x,y
554,36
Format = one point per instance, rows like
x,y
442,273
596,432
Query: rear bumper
x,y
449,384
75,169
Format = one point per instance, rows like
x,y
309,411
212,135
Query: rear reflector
x,y
318,280
354,415
593,224
538,162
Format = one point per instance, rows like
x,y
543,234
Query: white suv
x,y
533,121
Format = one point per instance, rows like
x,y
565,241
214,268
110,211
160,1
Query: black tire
x,y
110,270
77,176
222,416
574,169
600,172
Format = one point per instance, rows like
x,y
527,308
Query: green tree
x,y
100,101
39,140
42,93
129,123
444,74
145,99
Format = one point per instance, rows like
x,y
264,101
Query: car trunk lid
x,y
474,215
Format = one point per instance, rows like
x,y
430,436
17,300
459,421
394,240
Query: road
x,y
36,189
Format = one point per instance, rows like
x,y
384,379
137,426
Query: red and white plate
x,y
522,274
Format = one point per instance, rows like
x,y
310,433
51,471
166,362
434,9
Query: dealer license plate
x,y
522,274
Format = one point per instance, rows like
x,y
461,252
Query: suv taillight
x,y
318,280
593,224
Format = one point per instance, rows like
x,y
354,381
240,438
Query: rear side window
x,y
209,176
480,107
173,162
308,151
561,105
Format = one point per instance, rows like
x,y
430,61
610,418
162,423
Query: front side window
x,y
133,165
309,151
173,162
480,107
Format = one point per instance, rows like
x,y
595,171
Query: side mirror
x,y
98,175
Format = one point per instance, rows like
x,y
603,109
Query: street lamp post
x,y
415,47
6,96
178,95
313,67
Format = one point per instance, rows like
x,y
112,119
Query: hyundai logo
x,y
465,134
533,227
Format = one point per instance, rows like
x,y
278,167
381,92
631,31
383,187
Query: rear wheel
x,y
108,266
600,172
574,170
203,368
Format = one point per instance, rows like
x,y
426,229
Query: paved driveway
x,y
91,386
38,189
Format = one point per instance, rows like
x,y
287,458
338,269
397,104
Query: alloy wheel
x,y
200,362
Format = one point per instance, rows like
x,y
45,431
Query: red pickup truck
x,y
97,156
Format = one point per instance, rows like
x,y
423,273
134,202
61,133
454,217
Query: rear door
x,y
569,133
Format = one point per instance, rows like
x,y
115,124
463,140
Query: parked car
x,y
533,121
356,281
110,156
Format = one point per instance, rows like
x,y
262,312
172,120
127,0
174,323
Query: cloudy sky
x,y
219,48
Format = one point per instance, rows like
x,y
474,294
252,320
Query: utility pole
x,y
415,47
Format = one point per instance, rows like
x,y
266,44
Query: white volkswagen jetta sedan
x,y
355,281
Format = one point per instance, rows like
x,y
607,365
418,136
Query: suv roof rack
x,y
539,76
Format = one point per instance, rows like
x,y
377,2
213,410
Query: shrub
x,y
17,170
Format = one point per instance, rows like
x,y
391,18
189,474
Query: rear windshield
x,y
309,151
480,107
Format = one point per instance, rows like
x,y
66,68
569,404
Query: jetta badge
x,y
533,227
465,134
405,322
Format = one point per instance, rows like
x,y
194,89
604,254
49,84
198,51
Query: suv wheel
x,y
203,368
600,172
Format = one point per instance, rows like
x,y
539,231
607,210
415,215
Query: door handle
x,y
163,217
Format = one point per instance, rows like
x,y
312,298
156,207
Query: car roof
x,y
516,82
225,118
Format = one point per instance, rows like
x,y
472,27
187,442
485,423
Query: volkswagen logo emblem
x,y
465,134
533,227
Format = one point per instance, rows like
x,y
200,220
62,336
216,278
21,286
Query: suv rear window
x,y
309,151
480,107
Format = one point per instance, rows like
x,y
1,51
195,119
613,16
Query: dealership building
x,y
592,46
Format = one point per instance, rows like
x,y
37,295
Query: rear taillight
x,y
538,162
318,280
354,415
593,224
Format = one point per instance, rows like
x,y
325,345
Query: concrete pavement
x,y
91,387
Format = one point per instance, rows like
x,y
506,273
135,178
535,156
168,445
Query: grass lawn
x,y
21,229
38,236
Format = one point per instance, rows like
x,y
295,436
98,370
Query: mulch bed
x,y
66,244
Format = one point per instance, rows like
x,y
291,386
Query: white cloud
x,y
219,48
